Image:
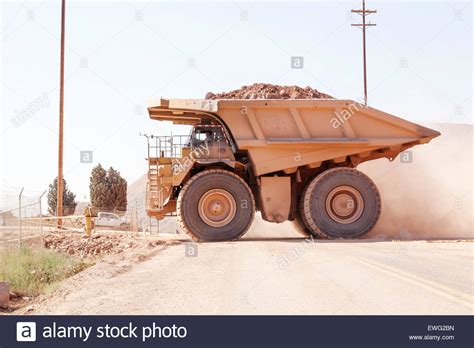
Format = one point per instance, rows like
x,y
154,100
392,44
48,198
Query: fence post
x,y
19,217
41,214
136,220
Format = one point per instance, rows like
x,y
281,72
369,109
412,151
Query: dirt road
x,y
293,276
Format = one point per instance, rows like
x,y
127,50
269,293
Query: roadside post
x,y
19,216
89,225
41,214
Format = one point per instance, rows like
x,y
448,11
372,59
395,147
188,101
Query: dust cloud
x,y
427,198
430,197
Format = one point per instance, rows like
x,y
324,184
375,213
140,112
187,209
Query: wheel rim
x,y
217,207
344,204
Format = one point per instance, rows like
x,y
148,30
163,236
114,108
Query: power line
x,y
364,13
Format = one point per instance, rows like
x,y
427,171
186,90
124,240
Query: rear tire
x,y
341,203
299,223
215,205
300,226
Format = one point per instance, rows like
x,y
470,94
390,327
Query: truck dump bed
x,y
284,134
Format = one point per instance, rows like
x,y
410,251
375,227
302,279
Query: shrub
x,y
30,271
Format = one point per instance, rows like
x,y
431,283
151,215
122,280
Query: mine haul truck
x,y
289,159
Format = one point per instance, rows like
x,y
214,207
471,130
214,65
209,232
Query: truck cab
x,y
172,158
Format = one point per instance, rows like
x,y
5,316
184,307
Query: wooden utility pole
x,y
364,25
60,188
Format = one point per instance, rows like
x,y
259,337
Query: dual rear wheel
x,y
339,203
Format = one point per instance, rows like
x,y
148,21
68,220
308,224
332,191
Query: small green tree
x,y
117,190
98,187
69,198
108,190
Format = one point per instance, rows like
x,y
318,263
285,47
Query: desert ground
x,y
284,276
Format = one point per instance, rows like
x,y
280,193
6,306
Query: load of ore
x,y
269,91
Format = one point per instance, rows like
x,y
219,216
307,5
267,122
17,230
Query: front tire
x,y
341,203
215,205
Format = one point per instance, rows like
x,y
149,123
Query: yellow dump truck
x,y
289,159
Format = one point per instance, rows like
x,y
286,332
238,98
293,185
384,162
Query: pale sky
x,y
120,54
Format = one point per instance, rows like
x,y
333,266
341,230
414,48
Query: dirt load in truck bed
x,y
269,91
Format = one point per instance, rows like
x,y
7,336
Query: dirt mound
x,y
269,91
74,244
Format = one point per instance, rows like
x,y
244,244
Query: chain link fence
x,y
28,223
24,224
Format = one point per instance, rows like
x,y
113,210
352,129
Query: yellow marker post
x,y
89,225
